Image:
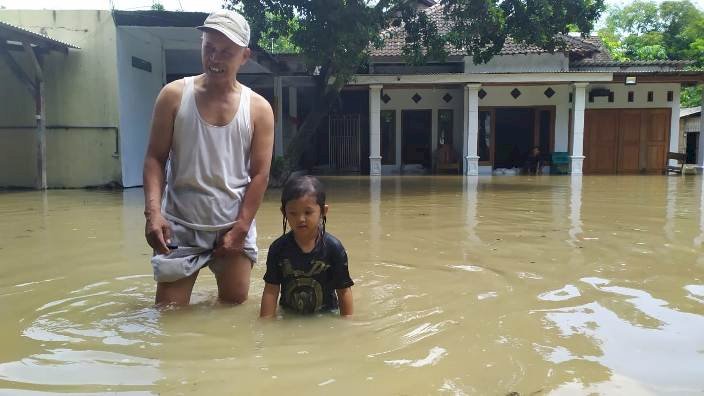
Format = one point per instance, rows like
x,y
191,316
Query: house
x,y
690,128
102,70
100,73
611,117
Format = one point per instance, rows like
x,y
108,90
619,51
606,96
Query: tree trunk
x,y
325,98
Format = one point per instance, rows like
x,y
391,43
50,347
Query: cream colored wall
x,y
81,94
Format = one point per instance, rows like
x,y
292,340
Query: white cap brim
x,y
233,37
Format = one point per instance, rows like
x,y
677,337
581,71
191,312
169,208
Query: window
x,y
445,130
388,137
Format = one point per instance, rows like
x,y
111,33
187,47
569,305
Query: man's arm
x,y
259,164
260,159
157,229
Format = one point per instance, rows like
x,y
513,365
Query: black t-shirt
x,y
308,280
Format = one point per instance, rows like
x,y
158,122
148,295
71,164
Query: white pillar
x,y
375,130
675,126
293,109
278,126
433,136
471,132
577,154
700,149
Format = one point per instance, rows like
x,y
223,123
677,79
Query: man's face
x,y
221,57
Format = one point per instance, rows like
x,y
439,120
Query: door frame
x,y
403,133
536,127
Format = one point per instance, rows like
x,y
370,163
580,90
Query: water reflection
x,y
671,207
700,238
619,323
575,209
470,185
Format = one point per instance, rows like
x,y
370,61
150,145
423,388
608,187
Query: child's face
x,y
304,215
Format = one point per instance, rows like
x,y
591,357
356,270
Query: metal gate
x,y
344,136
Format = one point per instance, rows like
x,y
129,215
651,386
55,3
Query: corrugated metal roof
x,y
678,63
689,111
13,33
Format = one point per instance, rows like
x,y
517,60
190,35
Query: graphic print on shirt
x,y
303,293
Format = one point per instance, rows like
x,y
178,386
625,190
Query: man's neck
x,y
221,87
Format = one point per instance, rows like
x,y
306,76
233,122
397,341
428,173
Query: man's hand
x,y
158,233
231,242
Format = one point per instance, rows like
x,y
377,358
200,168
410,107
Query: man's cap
x,y
229,23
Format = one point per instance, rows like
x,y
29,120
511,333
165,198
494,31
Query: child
x,y
307,266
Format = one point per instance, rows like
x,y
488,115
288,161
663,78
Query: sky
x,y
169,5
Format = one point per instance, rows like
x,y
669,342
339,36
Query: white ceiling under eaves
x,y
182,44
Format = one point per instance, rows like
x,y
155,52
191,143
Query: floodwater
x,y
534,285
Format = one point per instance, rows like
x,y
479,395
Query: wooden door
x,y
600,141
626,140
656,127
630,122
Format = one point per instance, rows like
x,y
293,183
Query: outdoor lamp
x,y
630,80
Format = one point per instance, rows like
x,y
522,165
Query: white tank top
x,y
208,170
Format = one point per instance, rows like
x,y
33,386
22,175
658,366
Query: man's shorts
x,y
195,251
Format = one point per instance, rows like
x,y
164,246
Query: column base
x,y
576,164
471,165
374,166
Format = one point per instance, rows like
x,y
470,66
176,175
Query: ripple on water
x,y
72,329
636,335
434,356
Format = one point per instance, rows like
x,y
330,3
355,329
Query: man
x,y
217,136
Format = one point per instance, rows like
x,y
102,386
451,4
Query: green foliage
x,y
156,6
691,97
646,30
274,41
334,36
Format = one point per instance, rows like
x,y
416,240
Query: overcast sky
x,y
170,5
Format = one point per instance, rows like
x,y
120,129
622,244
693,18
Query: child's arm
x,y
344,297
269,297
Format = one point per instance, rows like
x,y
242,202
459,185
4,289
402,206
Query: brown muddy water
x,y
547,285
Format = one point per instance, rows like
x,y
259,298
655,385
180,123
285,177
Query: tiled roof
x,y
395,40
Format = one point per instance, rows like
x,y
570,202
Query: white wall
x,y
500,96
138,90
431,100
519,63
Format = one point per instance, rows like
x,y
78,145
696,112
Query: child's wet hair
x,y
298,187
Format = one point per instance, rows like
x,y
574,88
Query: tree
x,y
647,31
156,6
335,36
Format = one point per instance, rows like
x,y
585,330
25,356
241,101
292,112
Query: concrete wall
x,y
531,96
500,96
519,63
401,99
81,95
138,90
